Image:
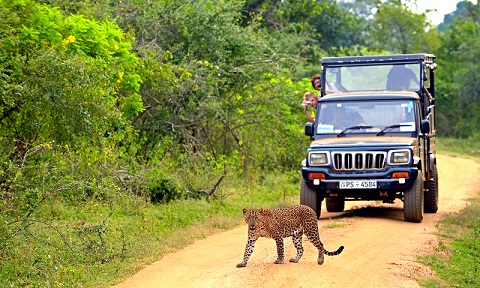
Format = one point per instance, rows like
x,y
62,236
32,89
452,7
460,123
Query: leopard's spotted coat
x,y
280,223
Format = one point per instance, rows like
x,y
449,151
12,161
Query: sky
x,y
443,7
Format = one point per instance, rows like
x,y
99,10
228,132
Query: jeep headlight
x,y
318,158
399,157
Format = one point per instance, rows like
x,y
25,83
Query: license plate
x,y
358,184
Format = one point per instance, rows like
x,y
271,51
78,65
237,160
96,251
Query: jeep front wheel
x,y
413,201
310,198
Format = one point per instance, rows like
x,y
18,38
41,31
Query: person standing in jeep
x,y
399,78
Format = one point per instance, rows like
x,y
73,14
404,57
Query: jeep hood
x,y
347,141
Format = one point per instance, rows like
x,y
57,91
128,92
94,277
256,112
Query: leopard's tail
x,y
338,251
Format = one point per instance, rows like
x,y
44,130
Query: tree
x,y
459,85
208,101
62,77
461,10
340,31
399,30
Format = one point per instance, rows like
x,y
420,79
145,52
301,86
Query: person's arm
x,y
414,77
309,115
305,105
335,87
430,98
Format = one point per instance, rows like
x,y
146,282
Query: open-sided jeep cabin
x,y
374,135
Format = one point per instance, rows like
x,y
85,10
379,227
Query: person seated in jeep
x,y
341,117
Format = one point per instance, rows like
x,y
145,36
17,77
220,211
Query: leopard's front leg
x,y
297,241
280,252
248,252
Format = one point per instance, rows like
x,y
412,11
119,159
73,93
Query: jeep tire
x,y
431,197
310,198
413,201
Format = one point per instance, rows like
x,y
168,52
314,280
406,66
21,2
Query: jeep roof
x,y
428,59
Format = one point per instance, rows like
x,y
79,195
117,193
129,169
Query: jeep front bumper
x,y
388,180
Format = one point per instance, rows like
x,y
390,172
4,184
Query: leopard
x,y
292,221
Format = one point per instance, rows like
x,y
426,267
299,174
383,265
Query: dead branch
x,y
211,192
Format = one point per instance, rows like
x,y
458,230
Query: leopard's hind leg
x,y
311,231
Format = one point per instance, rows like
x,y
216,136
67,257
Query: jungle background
x,y
123,121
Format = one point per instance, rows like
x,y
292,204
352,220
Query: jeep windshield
x,y
386,116
392,77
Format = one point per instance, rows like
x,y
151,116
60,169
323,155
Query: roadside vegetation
x,y
469,147
124,135
94,243
456,258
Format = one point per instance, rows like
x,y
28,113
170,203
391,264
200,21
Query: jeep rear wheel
x,y
336,204
431,197
310,198
413,201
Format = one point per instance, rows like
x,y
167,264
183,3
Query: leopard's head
x,y
256,220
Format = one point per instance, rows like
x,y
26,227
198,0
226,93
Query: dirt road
x,y
380,247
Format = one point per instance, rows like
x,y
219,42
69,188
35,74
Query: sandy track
x,y
380,247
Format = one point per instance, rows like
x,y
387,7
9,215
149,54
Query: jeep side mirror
x,y
309,129
425,126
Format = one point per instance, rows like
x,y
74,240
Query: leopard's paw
x,y
241,265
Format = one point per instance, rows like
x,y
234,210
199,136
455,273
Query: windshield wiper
x,y
353,128
392,127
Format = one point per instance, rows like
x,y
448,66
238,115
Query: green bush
x,y
163,190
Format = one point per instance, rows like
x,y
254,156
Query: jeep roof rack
x,y
428,59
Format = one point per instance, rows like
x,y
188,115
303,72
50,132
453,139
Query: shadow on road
x,y
383,212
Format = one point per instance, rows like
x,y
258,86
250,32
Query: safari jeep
x,y
374,135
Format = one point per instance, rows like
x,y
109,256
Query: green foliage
x,y
457,260
458,93
62,77
281,14
406,30
162,190
93,243
469,147
311,28
341,32
209,100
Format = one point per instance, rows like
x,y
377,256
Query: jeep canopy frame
x,y
370,73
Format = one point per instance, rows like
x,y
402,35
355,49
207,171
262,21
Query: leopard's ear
x,y
245,211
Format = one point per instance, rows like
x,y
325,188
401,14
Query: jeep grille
x,y
358,161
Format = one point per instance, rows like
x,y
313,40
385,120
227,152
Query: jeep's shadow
x,y
366,211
